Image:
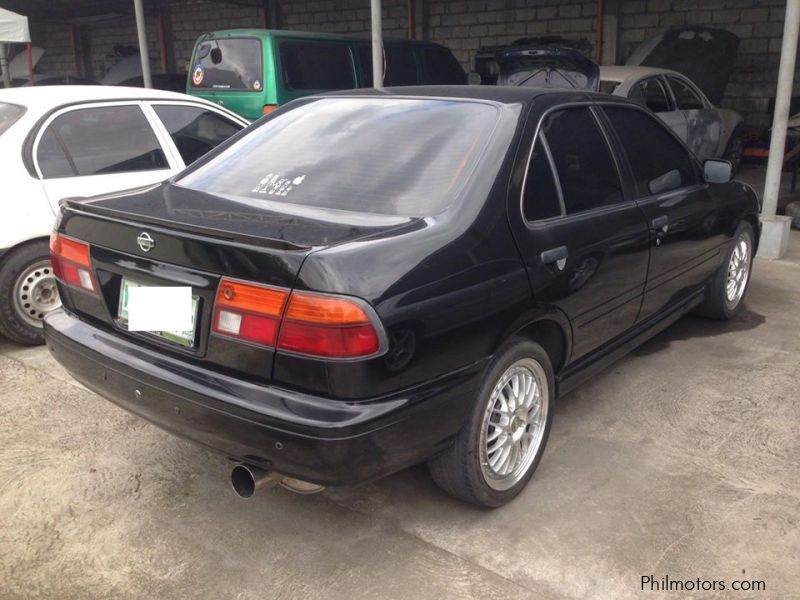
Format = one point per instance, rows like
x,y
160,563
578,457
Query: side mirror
x,y
216,56
717,171
671,180
474,78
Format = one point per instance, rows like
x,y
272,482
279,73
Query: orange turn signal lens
x,y
325,310
269,108
251,298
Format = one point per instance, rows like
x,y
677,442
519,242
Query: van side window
x,y
401,67
540,199
442,67
316,66
659,162
586,170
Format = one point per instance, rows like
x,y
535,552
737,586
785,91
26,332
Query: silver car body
x,y
704,128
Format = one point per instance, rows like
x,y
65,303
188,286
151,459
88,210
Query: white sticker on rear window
x,y
275,185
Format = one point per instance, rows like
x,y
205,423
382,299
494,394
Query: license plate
x,y
184,338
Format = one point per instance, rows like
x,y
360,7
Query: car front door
x,y
703,120
585,246
687,235
652,93
94,149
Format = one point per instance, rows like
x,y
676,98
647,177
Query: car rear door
x,y
652,93
585,245
97,148
703,121
686,232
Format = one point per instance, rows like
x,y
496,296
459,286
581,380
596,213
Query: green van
x,y
253,71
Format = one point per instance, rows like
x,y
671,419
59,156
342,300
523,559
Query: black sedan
x,y
378,278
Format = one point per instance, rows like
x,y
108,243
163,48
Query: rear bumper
x,y
324,441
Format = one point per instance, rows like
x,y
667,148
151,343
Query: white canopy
x,y
13,27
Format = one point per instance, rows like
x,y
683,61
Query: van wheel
x,y
725,293
27,292
495,454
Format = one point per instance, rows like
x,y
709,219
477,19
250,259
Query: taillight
x,y
71,262
249,312
268,108
306,323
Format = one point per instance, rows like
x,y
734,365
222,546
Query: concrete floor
x,y
682,460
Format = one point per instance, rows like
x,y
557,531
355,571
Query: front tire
x,y
27,292
495,454
735,150
725,293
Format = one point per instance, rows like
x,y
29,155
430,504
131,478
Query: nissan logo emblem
x,y
146,243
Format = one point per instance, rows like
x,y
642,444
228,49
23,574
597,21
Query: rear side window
x,y
316,66
650,93
388,156
442,67
660,163
9,114
540,199
685,96
101,140
586,170
228,64
195,131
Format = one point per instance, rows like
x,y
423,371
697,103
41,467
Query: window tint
x,y
108,139
582,159
401,68
239,66
50,155
651,93
540,199
9,113
660,163
389,156
685,96
442,67
316,66
195,131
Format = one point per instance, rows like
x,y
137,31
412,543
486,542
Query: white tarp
x,y
13,27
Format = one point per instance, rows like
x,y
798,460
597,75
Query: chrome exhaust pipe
x,y
246,479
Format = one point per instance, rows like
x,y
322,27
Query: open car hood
x,y
704,54
537,66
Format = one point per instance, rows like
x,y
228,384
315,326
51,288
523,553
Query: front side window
x,y
195,131
540,199
583,161
316,66
387,156
685,96
650,93
660,163
228,64
99,141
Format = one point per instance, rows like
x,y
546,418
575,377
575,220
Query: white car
x,y
708,131
63,141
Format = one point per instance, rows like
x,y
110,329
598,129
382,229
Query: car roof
x,y
310,35
624,72
53,96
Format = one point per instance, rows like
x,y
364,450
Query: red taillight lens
x,y
249,312
312,324
71,262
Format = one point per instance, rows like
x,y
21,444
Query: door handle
x,y
660,222
554,255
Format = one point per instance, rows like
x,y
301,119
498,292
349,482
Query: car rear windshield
x,y
227,64
9,114
389,156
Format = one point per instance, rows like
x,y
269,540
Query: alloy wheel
x,y
738,270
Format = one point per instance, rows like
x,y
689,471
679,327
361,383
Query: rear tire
x,y
725,293
495,454
27,292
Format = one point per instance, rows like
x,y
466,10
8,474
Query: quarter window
x,y
99,141
540,199
660,163
194,130
317,66
650,93
586,170
685,96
